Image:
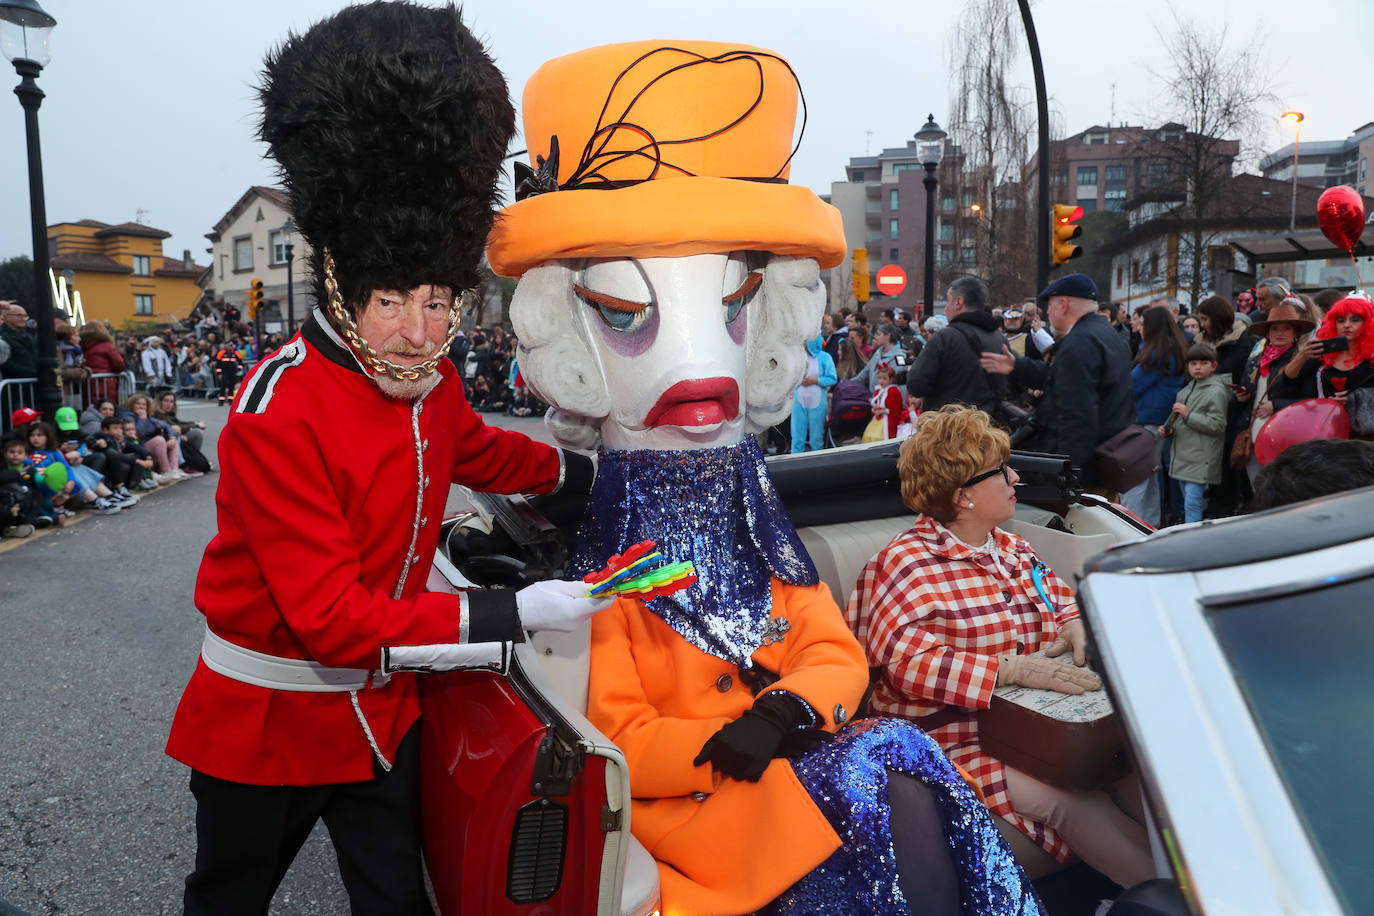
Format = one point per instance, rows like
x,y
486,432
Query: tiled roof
x,y
276,194
133,229
90,261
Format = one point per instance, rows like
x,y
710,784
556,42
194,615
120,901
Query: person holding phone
x,y
1338,359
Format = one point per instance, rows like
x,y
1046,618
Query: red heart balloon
x,y
1317,418
1340,213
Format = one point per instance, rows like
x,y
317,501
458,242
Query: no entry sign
x,y
891,279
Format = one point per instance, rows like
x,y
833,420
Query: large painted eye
x,y
619,293
738,286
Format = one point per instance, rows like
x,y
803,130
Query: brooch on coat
x,y
775,630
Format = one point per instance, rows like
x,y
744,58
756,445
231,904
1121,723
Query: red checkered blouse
x,y
934,614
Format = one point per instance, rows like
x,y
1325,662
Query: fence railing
x,y
23,392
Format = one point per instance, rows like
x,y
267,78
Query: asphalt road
x,y
99,636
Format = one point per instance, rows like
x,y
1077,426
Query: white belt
x,y
279,673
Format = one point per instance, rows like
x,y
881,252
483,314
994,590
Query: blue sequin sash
x,y
716,507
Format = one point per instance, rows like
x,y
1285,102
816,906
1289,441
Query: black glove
x,y
777,725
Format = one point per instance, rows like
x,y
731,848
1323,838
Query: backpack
x,y
851,401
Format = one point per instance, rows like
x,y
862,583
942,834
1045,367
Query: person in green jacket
x,y
1199,429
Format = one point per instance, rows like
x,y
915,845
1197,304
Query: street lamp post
x,y
287,228
25,30
1296,118
930,149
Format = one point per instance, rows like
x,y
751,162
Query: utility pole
x,y
1042,196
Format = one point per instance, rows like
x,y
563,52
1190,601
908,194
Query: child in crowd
x,y
88,493
126,433
21,505
889,402
1199,429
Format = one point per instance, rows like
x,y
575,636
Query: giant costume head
x,y
669,273
669,283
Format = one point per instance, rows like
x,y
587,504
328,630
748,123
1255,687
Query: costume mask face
x,y
677,353
670,335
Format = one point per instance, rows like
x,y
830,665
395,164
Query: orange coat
x,y
722,846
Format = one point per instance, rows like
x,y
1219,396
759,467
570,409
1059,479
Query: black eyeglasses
x,y
979,478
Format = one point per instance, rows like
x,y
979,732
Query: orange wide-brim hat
x,y
661,149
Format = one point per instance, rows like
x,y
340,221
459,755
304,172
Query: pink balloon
x,y
1340,213
1318,418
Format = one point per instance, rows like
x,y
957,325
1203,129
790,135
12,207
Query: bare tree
x,y
1216,96
992,119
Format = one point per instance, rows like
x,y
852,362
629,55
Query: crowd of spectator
x,y
1064,372
96,460
488,365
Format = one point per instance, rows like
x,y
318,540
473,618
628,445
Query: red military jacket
x,y
329,505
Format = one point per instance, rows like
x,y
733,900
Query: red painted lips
x,y
696,402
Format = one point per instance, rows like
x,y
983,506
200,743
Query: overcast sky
x,y
150,103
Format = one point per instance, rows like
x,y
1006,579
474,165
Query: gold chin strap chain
x,y
345,324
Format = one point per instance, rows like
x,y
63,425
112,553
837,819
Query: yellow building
x,y
121,273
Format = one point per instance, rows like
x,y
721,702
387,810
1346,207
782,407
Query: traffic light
x,y
254,298
1065,216
859,275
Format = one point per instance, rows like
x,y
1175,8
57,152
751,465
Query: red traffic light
x,y
1075,213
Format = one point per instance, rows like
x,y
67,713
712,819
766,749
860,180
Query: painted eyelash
x,y
751,283
608,301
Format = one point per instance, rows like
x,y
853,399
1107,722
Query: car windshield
x,y
1302,661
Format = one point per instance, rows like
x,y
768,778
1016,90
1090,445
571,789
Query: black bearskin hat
x,y
389,122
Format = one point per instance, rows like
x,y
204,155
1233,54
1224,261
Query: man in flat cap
x,y
1088,396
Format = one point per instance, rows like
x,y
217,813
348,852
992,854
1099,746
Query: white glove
x,y
557,605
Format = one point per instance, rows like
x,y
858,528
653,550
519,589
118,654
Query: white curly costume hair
x,y
559,365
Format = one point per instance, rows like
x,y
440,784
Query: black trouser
x,y
247,837
109,466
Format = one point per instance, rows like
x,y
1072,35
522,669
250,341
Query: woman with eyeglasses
x,y
954,607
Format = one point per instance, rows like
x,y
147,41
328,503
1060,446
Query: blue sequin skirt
x,y
847,778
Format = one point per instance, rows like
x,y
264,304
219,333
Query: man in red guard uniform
x,y
389,122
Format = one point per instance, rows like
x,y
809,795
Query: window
x,y
946,256
1364,161
1156,173
1135,271
276,243
1114,199
243,253
1089,204
1059,176
892,228
857,175
968,255
1095,139
892,199
1087,174
947,202
142,267
904,166
1154,264
968,199
946,232
892,255
1120,272
1115,174
143,304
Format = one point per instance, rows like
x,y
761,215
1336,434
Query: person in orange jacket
x,y
667,286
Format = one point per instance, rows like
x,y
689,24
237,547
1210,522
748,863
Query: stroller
x,y
850,411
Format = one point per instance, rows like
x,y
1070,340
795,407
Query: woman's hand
x,y
1310,350
1045,674
1243,394
1072,636
1264,410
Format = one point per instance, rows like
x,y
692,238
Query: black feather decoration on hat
x,y
389,122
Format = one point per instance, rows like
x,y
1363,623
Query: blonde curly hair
x,y
948,447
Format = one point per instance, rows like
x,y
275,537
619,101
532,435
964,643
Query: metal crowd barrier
x,y
23,392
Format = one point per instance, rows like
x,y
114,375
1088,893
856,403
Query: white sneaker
x,y
162,479
178,474
22,530
105,506
147,484
125,499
